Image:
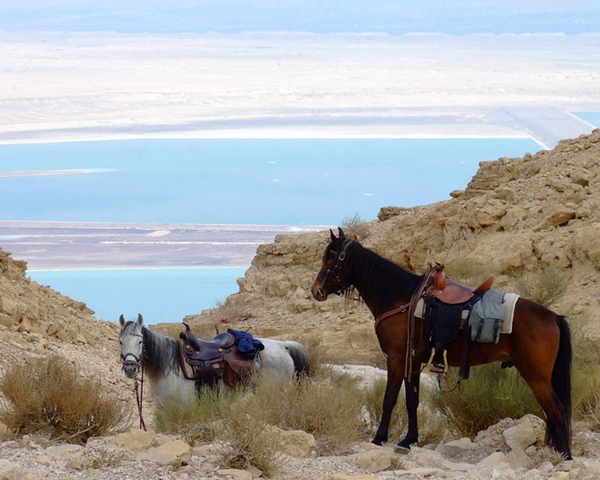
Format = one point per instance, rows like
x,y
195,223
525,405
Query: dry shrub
x,y
49,396
327,406
192,419
545,286
586,371
432,428
230,310
355,225
246,442
490,395
468,271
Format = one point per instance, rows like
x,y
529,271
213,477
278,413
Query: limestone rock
x,y
347,476
295,443
429,458
174,453
375,460
234,474
455,447
135,439
527,431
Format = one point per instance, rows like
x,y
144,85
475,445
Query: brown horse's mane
x,y
378,278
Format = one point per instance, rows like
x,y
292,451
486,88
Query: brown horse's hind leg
x,y
395,372
412,404
556,426
546,367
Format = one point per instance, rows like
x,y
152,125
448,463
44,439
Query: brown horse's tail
x,y
561,379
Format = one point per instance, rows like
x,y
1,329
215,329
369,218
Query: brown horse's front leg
x,y
395,373
412,404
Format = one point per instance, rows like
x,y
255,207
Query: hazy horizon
x,y
335,16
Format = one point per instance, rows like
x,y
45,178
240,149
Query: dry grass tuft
x,y
467,271
432,428
49,396
245,441
327,406
490,395
545,286
193,420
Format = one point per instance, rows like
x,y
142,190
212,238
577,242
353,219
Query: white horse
x,y
159,357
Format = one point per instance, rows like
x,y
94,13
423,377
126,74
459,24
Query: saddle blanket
x,y
492,315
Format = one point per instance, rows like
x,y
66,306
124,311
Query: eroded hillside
x,y
516,214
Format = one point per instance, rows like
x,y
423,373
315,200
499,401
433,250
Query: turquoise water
x,y
272,182
590,117
165,295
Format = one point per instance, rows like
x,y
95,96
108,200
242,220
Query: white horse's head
x,y
131,340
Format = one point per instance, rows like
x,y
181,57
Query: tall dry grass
x,y
432,428
545,286
50,396
489,395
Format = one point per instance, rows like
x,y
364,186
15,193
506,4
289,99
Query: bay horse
x,y
158,356
539,345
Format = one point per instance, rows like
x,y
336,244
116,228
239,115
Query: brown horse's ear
x,y
341,233
333,239
122,321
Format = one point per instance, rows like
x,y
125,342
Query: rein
x,y
138,384
139,393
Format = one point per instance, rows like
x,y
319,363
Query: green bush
x,y
49,396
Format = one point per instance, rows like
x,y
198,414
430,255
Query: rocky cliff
x,y
516,214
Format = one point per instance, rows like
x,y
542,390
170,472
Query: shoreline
x,y
89,269
270,135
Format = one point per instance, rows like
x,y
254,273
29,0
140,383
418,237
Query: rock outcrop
x,y
516,214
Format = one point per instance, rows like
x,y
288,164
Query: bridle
x,y
138,384
335,271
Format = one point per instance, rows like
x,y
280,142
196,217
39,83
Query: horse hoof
x,y
400,450
376,441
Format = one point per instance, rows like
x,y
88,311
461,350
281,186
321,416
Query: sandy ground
x,y
56,87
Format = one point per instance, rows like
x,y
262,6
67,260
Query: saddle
x,y
451,292
447,305
208,362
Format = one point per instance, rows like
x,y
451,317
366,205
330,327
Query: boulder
x,y
295,443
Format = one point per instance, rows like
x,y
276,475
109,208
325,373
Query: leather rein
x,y
138,384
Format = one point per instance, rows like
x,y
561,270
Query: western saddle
x,y
447,303
451,292
208,362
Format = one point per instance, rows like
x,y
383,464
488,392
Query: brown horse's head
x,y
334,273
